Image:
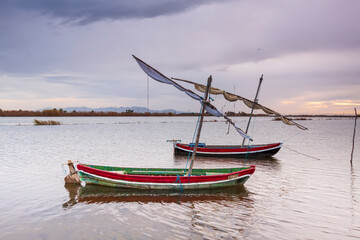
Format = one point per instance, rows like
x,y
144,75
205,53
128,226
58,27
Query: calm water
x,y
290,196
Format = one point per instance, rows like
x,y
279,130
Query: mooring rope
x,y
302,153
64,170
247,151
179,180
292,136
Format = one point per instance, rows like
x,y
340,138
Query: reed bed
x,y
292,119
50,122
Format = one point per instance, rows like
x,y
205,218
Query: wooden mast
x,y
200,124
253,107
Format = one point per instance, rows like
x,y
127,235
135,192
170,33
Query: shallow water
x,y
290,196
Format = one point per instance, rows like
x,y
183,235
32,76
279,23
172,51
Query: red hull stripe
x,y
229,150
163,179
173,184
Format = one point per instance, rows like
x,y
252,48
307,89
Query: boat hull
x,y
230,151
171,179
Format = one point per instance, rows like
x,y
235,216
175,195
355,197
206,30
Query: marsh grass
x,y
50,122
293,119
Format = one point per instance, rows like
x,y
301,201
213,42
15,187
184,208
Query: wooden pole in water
x,y
200,124
352,151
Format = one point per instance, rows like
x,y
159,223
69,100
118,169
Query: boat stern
x,y
72,177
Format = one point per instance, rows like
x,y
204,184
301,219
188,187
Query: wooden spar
x,y
252,109
219,91
200,124
352,151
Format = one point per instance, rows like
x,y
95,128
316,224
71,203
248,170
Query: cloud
x,y
347,103
88,11
287,102
336,106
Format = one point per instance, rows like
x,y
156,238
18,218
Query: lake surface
x,y
308,190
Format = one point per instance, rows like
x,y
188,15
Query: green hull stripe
x,y
94,179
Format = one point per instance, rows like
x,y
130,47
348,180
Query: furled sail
x,y
233,97
156,75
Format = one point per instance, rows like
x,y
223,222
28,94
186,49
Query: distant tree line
x,y
130,113
63,113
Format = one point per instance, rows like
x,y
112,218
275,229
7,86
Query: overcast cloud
x,y
76,53
89,11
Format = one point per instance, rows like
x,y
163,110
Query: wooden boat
x,y
165,178
235,151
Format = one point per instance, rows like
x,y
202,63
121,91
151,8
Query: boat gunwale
x,y
166,178
99,180
196,170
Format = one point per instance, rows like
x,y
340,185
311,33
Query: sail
x,y
233,97
156,75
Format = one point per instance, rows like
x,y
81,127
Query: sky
x,y
70,53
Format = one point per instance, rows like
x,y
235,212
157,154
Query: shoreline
x,y
302,117
63,113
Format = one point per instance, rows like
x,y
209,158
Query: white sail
x,y
156,75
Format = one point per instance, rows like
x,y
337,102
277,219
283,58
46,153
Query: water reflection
x,y
268,164
352,193
99,194
226,212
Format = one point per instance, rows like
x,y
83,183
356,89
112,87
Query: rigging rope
x,y
192,141
196,129
249,142
222,109
253,124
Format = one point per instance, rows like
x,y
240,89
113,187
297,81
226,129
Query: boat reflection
x,y
101,195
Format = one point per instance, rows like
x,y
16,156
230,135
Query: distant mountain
x,y
116,109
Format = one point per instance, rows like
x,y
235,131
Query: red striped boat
x,y
235,151
164,178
